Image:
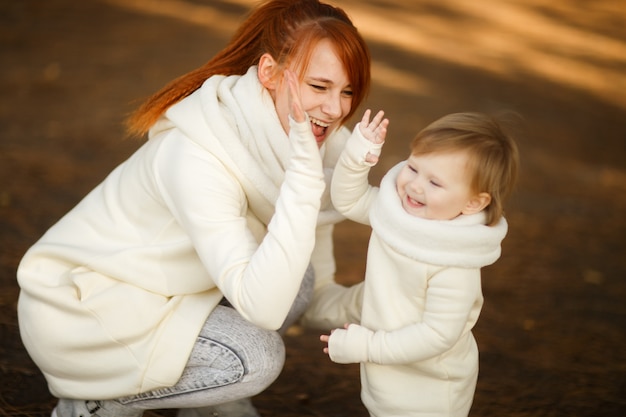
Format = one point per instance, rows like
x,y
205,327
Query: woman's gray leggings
x,y
232,359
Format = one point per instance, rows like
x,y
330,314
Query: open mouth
x,y
414,203
319,129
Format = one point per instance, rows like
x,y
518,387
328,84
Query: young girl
x,y
166,285
437,218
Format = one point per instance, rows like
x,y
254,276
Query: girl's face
x,y
437,186
325,92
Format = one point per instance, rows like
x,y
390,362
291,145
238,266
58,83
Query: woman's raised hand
x,y
295,103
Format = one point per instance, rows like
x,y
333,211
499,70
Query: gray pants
x,y
231,360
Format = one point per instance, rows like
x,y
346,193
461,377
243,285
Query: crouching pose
x,y
168,284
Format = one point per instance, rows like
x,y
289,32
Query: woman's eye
x,y
318,87
347,93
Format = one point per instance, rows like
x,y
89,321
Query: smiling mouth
x,y
319,129
414,203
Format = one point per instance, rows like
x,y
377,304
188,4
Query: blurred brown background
x,y
552,334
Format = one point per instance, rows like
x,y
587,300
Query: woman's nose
x,y
332,106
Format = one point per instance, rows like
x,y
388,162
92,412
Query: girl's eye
x,y
347,93
436,184
318,87
412,169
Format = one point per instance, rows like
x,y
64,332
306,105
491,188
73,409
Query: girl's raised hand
x,y
295,103
376,129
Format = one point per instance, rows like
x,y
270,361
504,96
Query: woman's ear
x,y
266,71
477,203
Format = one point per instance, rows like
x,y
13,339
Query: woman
x,y
166,285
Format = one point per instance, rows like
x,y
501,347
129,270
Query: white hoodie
x,y
421,299
218,202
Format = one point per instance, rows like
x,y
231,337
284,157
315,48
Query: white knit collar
x,y
242,117
462,242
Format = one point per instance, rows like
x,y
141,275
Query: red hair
x,y
287,30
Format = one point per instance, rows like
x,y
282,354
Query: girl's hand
x,y
295,102
325,337
376,130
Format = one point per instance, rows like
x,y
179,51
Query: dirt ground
x,y
553,329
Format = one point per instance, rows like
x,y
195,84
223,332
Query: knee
x,y
269,357
261,351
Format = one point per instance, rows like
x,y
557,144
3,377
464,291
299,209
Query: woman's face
x,y
325,92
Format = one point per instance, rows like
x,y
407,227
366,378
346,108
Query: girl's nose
x,y
416,186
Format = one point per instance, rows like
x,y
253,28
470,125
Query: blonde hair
x,y
493,154
286,29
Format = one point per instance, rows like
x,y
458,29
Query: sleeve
x,y
450,299
332,304
350,191
260,280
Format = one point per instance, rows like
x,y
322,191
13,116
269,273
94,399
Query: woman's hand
x,y
375,130
295,102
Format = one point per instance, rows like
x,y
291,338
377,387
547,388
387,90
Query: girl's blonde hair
x,y
493,154
287,30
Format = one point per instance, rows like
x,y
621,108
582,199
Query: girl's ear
x,y
477,203
266,71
